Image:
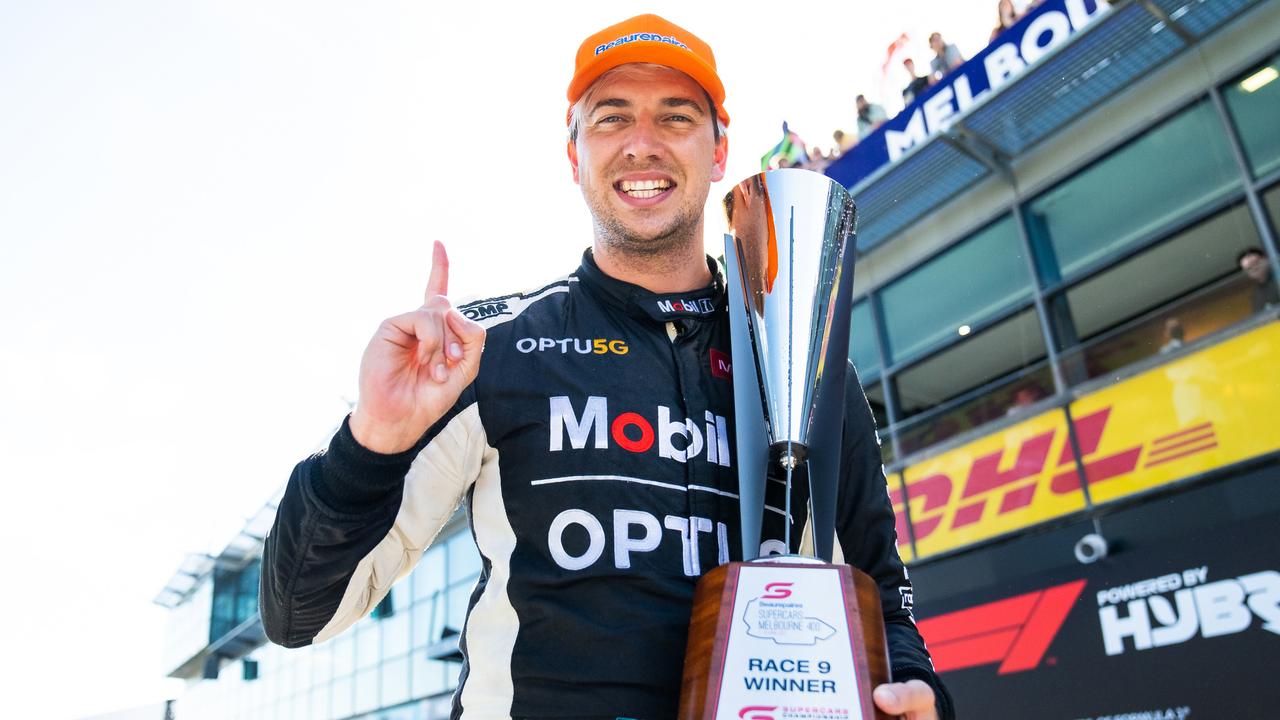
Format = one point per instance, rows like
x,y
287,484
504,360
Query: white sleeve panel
x,y
492,625
433,488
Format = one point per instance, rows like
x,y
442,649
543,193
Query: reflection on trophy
x,y
786,635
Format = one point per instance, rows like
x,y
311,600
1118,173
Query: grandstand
x,y
1049,288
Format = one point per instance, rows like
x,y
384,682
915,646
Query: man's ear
x,y
721,157
572,148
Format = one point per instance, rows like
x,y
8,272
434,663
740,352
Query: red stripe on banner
x,y
1175,456
1180,433
1190,441
1041,627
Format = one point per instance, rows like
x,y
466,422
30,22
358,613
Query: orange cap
x,y
647,39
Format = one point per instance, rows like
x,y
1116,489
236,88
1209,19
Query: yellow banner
x,y
1209,409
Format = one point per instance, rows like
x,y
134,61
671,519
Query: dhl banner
x,y
991,486
1199,412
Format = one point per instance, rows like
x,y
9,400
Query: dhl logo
x,y
989,491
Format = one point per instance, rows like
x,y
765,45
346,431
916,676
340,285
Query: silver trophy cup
x,y
789,260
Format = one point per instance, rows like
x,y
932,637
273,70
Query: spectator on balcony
x,y
871,115
1008,16
1023,397
1174,335
1253,263
946,57
918,84
844,142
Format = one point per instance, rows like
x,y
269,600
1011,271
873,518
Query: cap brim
x,y
672,57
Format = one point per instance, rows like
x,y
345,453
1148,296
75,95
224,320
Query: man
x,y
918,84
946,57
870,116
1253,263
591,441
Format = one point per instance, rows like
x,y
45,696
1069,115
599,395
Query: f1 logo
x,y
758,712
777,591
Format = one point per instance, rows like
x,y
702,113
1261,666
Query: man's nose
x,y
643,140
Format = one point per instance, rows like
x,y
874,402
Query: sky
x,y
206,208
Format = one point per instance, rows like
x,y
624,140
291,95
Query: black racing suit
x,y
593,452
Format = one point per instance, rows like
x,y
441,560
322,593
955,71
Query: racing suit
x,y
594,454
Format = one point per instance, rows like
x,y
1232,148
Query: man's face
x,y
935,42
1255,266
862,104
910,65
646,157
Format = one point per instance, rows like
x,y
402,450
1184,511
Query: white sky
x,y
207,207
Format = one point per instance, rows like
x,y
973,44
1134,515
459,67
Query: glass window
x,y
1184,288
368,638
862,342
320,700
395,635
367,690
1179,165
395,681
428,675
343,696
428,575
978,380
321,663
960,288
428,620
459,597
464,560
1254,102
401,595
1271,199
298,707
297,674
344,657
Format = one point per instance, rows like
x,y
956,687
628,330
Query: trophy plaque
x,y
784,636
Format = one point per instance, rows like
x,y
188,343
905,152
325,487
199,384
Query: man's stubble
x,y
660,251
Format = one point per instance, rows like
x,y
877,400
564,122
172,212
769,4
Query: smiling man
x,y
586,426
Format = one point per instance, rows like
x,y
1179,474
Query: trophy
x,y
785,636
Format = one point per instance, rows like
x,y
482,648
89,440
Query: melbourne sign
x,y
1047,26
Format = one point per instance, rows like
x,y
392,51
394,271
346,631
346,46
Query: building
x,y
1047,290
399,663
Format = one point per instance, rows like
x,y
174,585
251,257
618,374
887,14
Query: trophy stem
x,y
790,455
789,462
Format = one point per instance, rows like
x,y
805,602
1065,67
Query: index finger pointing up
x,y
438,282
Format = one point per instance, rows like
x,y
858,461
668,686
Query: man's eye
x,y
680,118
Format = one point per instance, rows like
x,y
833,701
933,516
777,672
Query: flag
x,y
789,152
894,48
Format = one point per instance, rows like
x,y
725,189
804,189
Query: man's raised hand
x,y
415,367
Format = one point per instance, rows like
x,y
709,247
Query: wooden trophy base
x,y
781,640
